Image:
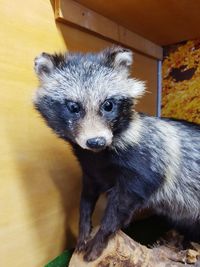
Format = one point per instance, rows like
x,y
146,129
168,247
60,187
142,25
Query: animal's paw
x,y
81,245
93,249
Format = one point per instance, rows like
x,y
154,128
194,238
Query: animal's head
x,y
87,98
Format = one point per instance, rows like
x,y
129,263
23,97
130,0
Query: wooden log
x,y
122,251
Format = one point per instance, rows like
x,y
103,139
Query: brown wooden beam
x,y
73,13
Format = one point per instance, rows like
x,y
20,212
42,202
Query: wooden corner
x,y
75,14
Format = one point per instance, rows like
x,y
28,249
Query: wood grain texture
x,y
162,22
122,251
69,11
39,177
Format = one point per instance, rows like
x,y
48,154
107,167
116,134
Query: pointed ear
x,y
43,65
118,57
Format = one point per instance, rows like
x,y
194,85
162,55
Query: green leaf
x,y
62,260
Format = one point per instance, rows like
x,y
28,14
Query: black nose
x,y
96,143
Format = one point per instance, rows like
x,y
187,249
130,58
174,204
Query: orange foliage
x,y
181,99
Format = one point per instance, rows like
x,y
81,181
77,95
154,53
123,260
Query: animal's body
x,y
141,161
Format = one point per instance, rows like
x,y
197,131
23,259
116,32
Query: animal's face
x,y
87,98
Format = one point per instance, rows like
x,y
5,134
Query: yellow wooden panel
x,y
39,176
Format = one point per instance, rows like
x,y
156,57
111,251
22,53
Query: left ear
x,y
45,64
118,57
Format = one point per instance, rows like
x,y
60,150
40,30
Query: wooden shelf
x,y
73,13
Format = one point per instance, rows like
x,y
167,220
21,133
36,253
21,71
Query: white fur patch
x,y
123,58
138,88
131,136
127,88
172,147
43,61
174,192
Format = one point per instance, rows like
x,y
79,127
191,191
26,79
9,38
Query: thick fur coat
x,y
140,161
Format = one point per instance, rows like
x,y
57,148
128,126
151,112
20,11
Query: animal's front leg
x,y
89,196
120,206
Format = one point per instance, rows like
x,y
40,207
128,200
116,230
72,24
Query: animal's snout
x,y
96,143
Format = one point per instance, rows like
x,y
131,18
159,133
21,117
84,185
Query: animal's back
x,y
179,197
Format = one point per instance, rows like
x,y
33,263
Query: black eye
x,y
73,107
108,106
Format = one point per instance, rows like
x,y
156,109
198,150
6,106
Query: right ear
x,y
43,65
118,58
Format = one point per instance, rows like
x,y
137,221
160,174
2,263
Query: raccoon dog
x,y
140,161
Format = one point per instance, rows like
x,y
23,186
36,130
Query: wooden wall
x,y
162,22
39,177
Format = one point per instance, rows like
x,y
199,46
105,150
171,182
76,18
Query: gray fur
x,y
86,72
175,153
